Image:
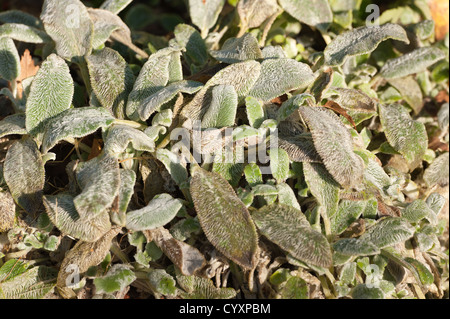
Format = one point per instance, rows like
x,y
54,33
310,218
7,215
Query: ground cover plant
x,y
291,149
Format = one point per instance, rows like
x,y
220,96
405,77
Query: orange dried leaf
x,y
27,68
439,12
337,108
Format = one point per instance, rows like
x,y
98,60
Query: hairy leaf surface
x,y
119,136
13,124
253,13
437,172
204,14
388,232
314,13
238,50
9,59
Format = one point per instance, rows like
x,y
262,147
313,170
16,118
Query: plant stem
x,y
85,75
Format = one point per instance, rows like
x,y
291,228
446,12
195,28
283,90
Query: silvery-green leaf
x,y
410,91
222,110
279,164
13,124
117,278
254,12
443,116
279,76
69,25
158,212
111,79
231,169
171,162
288,228
355,247
126,190
286,196
388,232
406,136
300,148
348,212
425,275
314,13
238,50
242,76
196,287
63,214
23,33
119,136
204,14
253,174
78,260
334,144
424,29
75,123
9,59
273,52
295,288
23,171
361,40
154,102
363,291
291,105
8,209
188,37
225,220
51,93
99,181
13,268
322,186
35,283
164,283
16,16
413,62
436,202
264,190
187,258
154,75
105,24
353,100
437,172
255,111
417,210
115,6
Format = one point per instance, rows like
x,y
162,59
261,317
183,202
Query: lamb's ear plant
x,y
250,149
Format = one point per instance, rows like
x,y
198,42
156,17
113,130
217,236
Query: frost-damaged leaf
x,y
157,72
300,148
99,180
8,211
288,228
225,220
9,60
75,123
115,6
353,100
119,136
35,283
222,110
159,211
437,172
154,102
406,136
363,291
334,144
413,62
196,287
279,76
63,214
78,260
348,212
361,40
126,190
254,12
188,259
322,186
418,210
116,279
355,247
242,76
279,164
51,93
188,37
23,33
69,25
23,171
204,14
238,50
314,13
13,124
20,17
111,78
388,232
410,91
255,112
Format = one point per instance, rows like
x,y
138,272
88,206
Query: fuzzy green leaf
x,y
224,218
295,288
287,196
116,279
426,277
120,136
388,232
408,137
24,174
204,14
9,59
300,148
418,210
238,50
20,17
348,212
363,291
164,283
13,124
289,229
279,76
293,104
51,93
188,37
353,100
413,62
126,191
437,172
115,6
202,288
314,13
222,110
355,247
255,112
410,91
361,41
253,13
23,33
74,123
279,164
